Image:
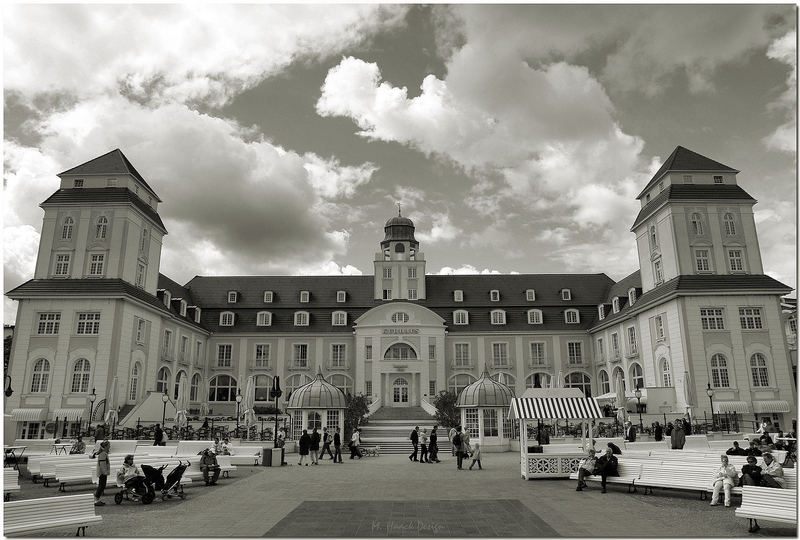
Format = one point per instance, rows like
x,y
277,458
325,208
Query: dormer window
x,y
572,316
494,296
718,180
267,297
498,316
264,318
458,296
226,318
341,296
601,311
183,308
78,183
167,298
301,318
530,295
197,315
566,294
304,296
615,304
534,316
460,317
233,296
631,296
339,318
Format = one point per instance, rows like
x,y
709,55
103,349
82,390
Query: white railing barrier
x,y
427,406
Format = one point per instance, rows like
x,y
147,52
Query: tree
x,y
447,415
354,413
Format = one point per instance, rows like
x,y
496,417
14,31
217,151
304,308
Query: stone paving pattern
x,y
328,500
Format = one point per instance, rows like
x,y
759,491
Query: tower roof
x,y
399,229
113,162
683,159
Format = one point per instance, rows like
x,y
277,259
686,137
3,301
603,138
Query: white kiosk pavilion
x,y
556,460
317,404
483,405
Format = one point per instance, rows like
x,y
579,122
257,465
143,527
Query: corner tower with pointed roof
x,y
399,266
695,220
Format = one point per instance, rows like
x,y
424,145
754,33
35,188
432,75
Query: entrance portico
x,y
400,353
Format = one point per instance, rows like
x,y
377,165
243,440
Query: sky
x,y
281,137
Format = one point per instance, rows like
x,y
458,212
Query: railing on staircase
x,y
373,407
427,406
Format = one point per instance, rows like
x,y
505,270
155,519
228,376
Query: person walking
x,y
630,432
450,435
303,445
476,456
314,446
433,447
466,449
456,441
414,437
337,446
658,432
355,442
423,445
678,437
326,443
103,470
158,436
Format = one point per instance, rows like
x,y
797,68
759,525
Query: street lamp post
x,y
164,398
710,394
238,402
638,395
8,390
92,397
276,392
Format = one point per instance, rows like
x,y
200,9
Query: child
x,y
476,456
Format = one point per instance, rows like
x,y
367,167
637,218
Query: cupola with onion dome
x,y
485,392
400,265
399,229
318,394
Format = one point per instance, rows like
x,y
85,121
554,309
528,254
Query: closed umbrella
x,y
204,408
560,380
688,394
182,404
111,402
249,402
620,390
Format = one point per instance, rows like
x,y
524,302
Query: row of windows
x,y
636,378
615,304
50,323
167,298
616,350
498,317
702,260
40,379
494,295
341,296
96,264
687,179
714,318
100,228
759,373
696,220
269,297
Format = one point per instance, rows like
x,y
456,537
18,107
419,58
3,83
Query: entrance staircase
x,y
389,428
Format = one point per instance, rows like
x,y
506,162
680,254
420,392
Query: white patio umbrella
x,y
249,402
111,405
182,404
560,380
204,408
621,404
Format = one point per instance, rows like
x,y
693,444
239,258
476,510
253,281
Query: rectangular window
x,y
88,323
574,352
140,272
736,260
332,418
687,179
368,352
268,297
49,323
166,345
412,294
701,260
226,319
500,354
141,326
339,318
712,319
224,355
368,388
537,354
300,355
718,180
184,347
462,354
198,352
387,294
601,350
530,295
566,294
431,388
432,352
659,322
494,296
534,316
471,422
96,264
337,355
387,273
750,318
262,355
304,296
632,347
78,183
615,344
489,422
571,316
498,317
301,318
460,317
232,296
341,296
264,319
458,296
658,272
30,430
412,272
62,264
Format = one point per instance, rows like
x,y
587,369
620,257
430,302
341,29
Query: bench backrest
x,y
245,450
156,450
647,445
10,477
191,448
696,442
771,498
20,513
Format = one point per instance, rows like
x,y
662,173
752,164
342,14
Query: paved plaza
x,y
390,496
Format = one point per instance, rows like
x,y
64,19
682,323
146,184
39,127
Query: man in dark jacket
x,y
630,432
208,464
434,446
314,446
326,443
658,431
158,436
606,466
614,448
752,450
302,447
415,442
337,447
736,450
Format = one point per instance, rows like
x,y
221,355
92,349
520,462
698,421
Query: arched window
x,y
758,369
41,375
498,316
576,379
134,389
263,384
342,382
222,388
605,383
637,376
505,378
264,318
572,316
314,421
719,371
666,373
537,380
80,375
293,382
697,224
143,240
66,230
730,224
400,351
534,316
101,228
458,382
178,377
194,389
621,374
162,380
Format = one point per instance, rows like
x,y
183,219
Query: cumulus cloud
x,y
331,180
784,138
464,269
441,229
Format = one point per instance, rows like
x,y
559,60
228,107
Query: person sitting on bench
x,y
772,473
724,480
751,473
131,476
586,467
736,450
607,466
208,463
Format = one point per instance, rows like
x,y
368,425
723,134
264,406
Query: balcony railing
x,y
462,364
294,366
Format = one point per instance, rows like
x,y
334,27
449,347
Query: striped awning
x,y
27,415
722,407
772,406
560,408
69,414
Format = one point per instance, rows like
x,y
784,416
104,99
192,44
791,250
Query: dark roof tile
x,y
113,162
109,195
683,159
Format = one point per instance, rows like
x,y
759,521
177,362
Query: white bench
x,y
674,475
155,450
628,471
245,455
648,446
771,504
191,448
10,482
50,512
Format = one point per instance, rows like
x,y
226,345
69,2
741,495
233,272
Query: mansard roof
x,y
692,192
100,196
113,162
683,159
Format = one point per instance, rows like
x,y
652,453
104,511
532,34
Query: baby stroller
x,y
172,482
138,488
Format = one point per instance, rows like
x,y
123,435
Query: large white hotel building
x,y
699,311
